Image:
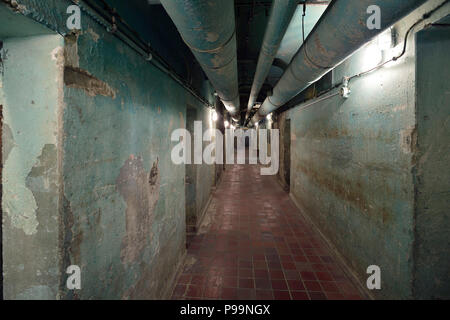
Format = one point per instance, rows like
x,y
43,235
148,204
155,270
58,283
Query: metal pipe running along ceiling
x,y
341,31
281,14
208,29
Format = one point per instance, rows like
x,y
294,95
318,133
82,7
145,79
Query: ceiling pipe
x,y
281,14
341,31
208,29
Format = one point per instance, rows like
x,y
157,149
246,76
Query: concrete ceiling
x,y
252,17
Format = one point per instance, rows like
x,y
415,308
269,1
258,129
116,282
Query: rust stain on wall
x,y
352,192
140,190
408,140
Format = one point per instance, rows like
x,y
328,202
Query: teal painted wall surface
x,y
200,177
350,170
125,205
351,167
121,201
205,173
32,104
352,164
431,174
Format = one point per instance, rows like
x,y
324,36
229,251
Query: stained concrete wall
x,y
124,198
32,104
200,178
352,164
205,173
431,173
121,199
350,171
284,173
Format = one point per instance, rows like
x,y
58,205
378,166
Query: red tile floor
x,y
254,244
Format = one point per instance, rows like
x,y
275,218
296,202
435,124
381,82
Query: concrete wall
x,y
284,172
31,108
205,173
120,198
124,198
352,162
431,174
350,171
200,177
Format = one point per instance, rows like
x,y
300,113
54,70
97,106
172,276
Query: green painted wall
x,y
205,173
125,207
121,199
350,170
31,108
352,165
200,178
431,174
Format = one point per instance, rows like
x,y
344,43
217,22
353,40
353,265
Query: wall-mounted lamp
x,y
385,40
226,124
269,117
345,90
372,55
214,116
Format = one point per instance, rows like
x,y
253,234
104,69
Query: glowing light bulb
x,y
226,124
385,40
372,56
214,116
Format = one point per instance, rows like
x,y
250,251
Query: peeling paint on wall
x,y
93,34
71,50
8,142
124,225
141,193
19,202
81,79
32,109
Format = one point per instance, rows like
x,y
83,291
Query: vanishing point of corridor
x,y
258,246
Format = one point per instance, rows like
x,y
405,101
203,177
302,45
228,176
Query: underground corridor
x,y
225,150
